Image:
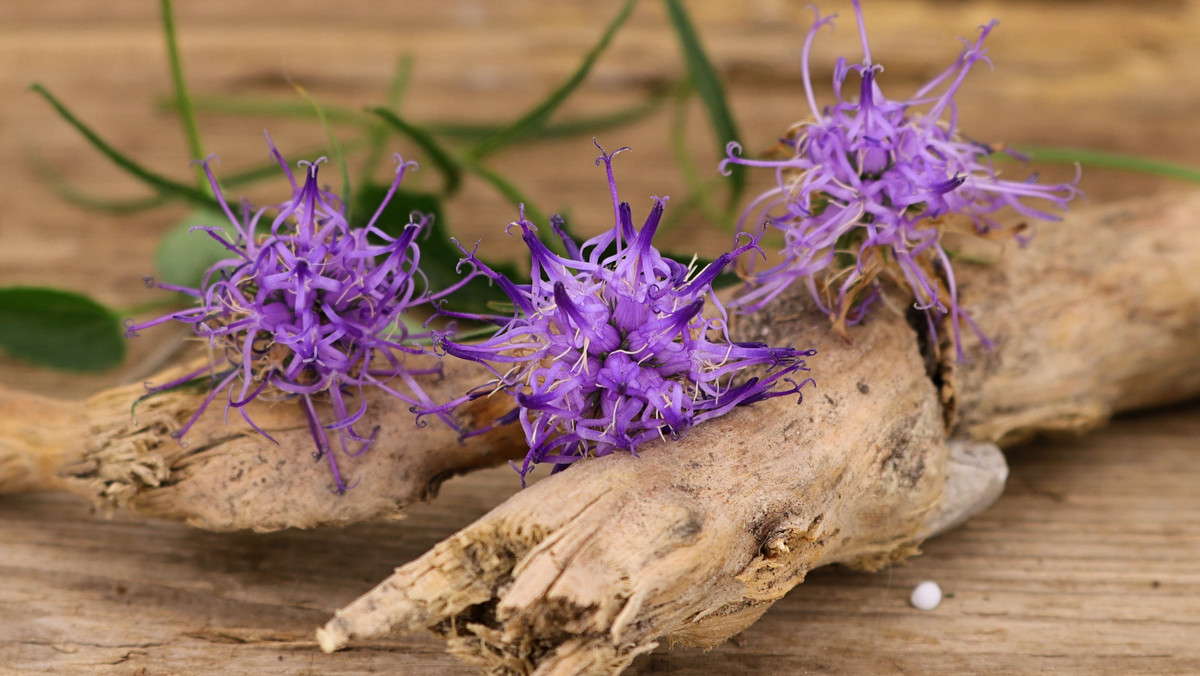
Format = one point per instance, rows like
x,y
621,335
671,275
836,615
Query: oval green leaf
x,y
184,255
59,329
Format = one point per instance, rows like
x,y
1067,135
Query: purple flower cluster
x,y
869,186
608,347
308,309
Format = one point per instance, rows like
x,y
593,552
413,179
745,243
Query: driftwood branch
x,y
226,476
695,539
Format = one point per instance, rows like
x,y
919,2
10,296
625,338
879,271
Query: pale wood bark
x,y
1099,315
695,539
35,433
226,476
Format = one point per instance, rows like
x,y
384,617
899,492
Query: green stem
x,y
182,101
334,146
1107,160
441,158
532,213
588,125
698,190
171,301
262,107
378,134
538,115
156,181
711,91
271,169
459,131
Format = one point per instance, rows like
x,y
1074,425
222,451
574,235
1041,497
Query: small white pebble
x,y
926,596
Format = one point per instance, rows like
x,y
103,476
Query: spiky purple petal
x,y
876,181
304,309
607,347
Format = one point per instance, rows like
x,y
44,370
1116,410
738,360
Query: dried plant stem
x,y
695,539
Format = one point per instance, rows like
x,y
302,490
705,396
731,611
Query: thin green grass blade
x,y
72,195
182,99
698,189
336,147
154,180
270,169
458,131
514,195
711,92
582,126
262,107
448,166
377,136
1106,160
200,383
538,115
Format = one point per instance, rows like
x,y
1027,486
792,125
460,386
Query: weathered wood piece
x,y
225,475
695,539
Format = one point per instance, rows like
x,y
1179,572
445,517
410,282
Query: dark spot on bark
x,y
906,457
687,489
688,528
864,388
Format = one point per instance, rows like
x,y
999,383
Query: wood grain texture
x,y
1086,565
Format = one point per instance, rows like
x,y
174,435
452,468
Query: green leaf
x,y
441,158
711,91
439,255
184,255
158,182
538,115
59,329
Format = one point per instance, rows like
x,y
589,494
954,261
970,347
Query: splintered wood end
x,y
225,475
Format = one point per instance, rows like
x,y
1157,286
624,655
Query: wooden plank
x,y
1087,565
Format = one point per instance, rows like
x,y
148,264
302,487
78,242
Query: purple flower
x,y
608,347
869,186
308,309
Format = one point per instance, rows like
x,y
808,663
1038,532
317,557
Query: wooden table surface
x,y
1087,565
